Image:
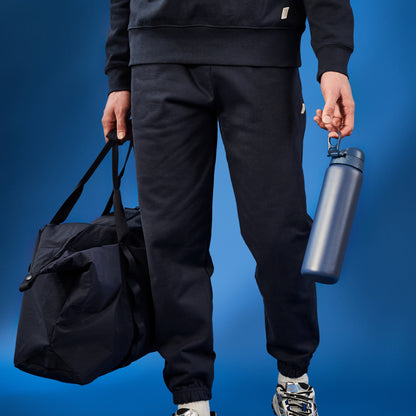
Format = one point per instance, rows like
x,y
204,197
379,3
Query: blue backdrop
x,y
53,94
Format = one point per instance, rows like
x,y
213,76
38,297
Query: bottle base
x,y
320,278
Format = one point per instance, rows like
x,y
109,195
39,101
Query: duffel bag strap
x,y
109,204
120,217
70,202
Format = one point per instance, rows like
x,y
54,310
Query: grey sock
x,y
202,407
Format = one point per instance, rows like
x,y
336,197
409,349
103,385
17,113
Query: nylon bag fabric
x,y
87,307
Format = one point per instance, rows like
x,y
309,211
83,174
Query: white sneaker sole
x,y
275,406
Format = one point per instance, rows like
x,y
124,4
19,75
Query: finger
x,y
318,119
329,108
338,111
348,126
347,108
332,128
337,122
332,131
121,125
319,122
319,113
109,123
338,118
333,134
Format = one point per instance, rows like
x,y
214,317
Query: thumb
x,y
329,109
121,128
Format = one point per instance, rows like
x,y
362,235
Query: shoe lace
x,y
299,403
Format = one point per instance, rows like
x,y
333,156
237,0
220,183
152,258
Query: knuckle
x,y
107,113
120,112
350,104
331,99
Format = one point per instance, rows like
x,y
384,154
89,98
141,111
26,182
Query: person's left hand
x,y
338,113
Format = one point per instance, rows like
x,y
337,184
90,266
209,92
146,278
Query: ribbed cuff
x,y
333,58
193,395
119,79
293,370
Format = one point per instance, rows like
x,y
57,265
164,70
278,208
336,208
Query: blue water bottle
x,y
334,214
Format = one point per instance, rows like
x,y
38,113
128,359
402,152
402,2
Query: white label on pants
x,y
303,108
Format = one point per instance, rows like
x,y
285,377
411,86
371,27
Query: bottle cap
x,y
351,156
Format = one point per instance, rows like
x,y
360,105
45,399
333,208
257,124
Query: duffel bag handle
x,y
109,204
121,224
120,217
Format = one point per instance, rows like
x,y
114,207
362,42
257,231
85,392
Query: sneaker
x,y
189,412
294,399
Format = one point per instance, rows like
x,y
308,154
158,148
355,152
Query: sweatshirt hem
x,y
215,45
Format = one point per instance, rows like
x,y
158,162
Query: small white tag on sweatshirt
x,y
285,12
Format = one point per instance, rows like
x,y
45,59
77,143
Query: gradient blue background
x,y
53,94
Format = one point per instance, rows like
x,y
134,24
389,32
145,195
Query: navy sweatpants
x,y
175,109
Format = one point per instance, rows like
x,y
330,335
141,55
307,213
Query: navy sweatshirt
x,y
227,32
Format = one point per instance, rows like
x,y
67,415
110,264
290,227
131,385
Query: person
x,y
178,68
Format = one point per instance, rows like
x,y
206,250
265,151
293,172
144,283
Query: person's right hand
x,y
117,115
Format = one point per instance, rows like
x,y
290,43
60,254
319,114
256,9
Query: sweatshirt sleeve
x,y
331,24
117,47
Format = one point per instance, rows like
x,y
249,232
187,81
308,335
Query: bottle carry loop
x,y
333,151
351,156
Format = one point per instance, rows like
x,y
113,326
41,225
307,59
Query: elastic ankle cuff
x,y
187,396
293,370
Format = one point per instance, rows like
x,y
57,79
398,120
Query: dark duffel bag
x,y
87,307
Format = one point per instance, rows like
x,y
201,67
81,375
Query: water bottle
x,y
334,214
